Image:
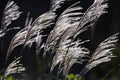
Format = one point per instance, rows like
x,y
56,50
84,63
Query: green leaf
x,y
9,78
74,77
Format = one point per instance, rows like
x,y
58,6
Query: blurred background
x,y
107,25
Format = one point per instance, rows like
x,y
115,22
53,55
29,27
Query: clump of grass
x,y
58,50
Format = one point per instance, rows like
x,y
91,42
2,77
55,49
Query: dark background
x,y
107,25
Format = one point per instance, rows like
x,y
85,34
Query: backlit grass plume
x,y
14,68
10,13
68,47
58,41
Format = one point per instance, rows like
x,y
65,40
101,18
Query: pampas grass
x,y
62,46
